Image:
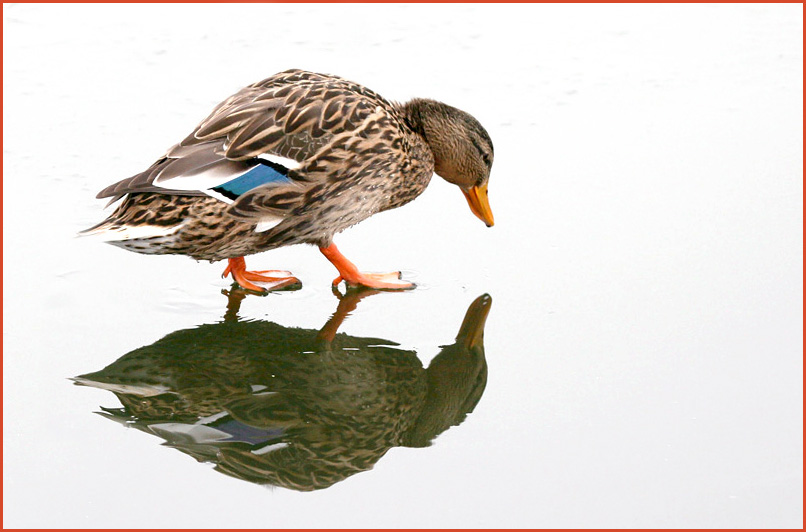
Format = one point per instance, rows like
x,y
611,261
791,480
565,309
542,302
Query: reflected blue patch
x,y
247,434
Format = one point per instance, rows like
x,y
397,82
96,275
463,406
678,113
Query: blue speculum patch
x,y
261,174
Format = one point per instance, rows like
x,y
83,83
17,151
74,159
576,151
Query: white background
x,y
645,341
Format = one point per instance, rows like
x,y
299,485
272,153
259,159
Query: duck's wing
x,y
192,170
361,159
293,114
266,134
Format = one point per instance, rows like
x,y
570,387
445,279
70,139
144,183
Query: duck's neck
x,y
431,121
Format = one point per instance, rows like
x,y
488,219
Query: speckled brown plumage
x,y
347,153
297,408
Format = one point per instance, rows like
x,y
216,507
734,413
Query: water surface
x,y
642,355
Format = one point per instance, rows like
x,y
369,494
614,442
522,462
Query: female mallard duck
x,y
294,407
295,159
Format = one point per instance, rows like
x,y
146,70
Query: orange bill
x,y
479,204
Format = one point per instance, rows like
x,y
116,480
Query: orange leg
x,y
347,304
276,279
350,274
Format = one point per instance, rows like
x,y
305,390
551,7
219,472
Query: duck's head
x,y
463,151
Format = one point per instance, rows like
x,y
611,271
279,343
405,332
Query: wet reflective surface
x,y
290,407
642,351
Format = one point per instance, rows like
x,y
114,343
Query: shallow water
x,y
642,356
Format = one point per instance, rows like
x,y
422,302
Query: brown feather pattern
x,y
357,154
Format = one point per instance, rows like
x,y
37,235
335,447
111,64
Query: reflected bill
x,y
297,408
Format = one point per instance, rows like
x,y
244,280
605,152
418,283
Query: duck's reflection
x,y
291,407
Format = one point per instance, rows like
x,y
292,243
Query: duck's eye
x,y
486,158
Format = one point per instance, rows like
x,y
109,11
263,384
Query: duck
x,y
292,407
295,159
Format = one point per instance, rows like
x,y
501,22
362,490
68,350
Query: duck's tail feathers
x,y
110,231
